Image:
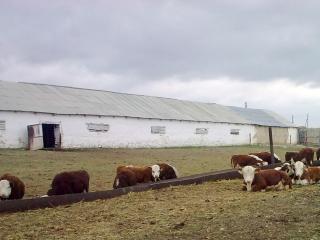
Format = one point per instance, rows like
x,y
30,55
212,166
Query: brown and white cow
x,y
246,160
125,178
258,180
289,156
313,174
11,187
301,175
287,168
266,156
69,182
167,171
307,154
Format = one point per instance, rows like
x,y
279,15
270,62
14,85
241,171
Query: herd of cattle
x,y
11,187
298,168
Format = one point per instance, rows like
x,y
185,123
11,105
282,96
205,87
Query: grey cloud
x,y
152,40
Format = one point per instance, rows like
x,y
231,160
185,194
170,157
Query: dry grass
x,y
37,168
214,210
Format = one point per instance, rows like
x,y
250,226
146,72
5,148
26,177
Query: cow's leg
x,y
279,186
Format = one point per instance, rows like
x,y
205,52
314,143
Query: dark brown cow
x,y
307,154
246,160
69,182
143,174
318,154
125,178
258,180
266,156
290,155
167,171
11,187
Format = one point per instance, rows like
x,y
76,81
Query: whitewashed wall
x,y
123,132
293,136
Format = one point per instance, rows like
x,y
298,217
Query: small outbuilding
x,y
37,116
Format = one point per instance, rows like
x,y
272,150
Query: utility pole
x,y
292,119
245,105
271,145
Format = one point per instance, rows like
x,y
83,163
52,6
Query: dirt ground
x,y
213,210
37,168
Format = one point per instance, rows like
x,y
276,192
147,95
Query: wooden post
x,y
271,145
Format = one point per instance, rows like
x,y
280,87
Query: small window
x,y
2,125
158,130
202,131
98,127
235,131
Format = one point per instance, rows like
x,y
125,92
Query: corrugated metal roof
x,y
43,98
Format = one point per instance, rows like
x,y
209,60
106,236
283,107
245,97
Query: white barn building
x,y
45,116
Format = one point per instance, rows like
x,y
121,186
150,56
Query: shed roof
x,y
32,97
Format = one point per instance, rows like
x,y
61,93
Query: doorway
x,y
51,135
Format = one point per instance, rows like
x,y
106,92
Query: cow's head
x,y
155,170
299,169
248,175
5,189
116,183
288,168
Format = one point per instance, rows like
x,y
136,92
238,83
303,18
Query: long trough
x,y
54,201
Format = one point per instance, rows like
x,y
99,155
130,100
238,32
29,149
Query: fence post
x,y
271,145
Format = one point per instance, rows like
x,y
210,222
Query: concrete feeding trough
x,y
54,201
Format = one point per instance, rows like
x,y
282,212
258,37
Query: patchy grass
x,y
213,210
37,168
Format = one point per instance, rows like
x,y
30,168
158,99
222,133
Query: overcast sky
x,y
266,53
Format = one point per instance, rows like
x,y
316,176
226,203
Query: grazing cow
x,y
167,171
11,187
69,182
125,178
258,180
246,160
301,176
144,174
287,168
290,155
305,153
266,156
318,154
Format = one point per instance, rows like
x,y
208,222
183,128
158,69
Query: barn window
x,y
202,131
235,131
98,127
2,125
158,130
